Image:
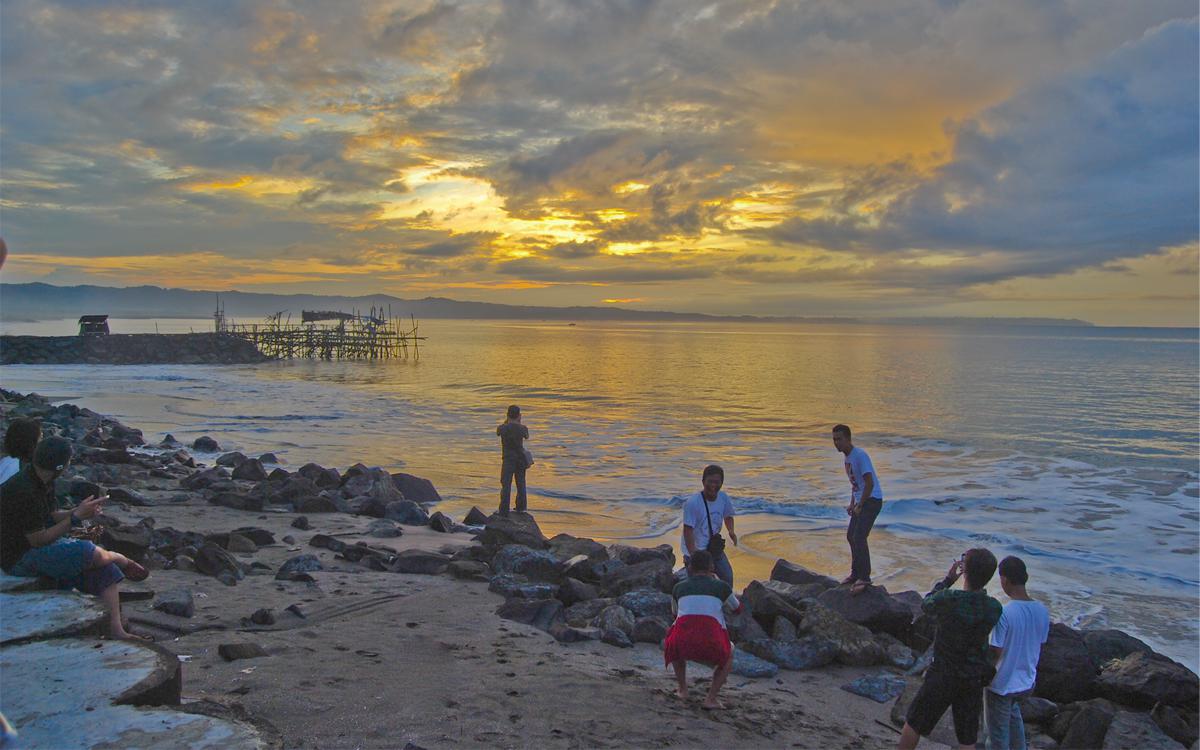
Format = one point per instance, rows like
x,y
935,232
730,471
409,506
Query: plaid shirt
x,y
964,619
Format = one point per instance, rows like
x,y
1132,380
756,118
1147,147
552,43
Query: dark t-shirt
x,y
25,504
511,434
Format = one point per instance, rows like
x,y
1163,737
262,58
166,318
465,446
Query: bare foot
x,y
125,635
711,704
682,693
859,587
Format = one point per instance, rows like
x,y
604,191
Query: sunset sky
x,y
910,157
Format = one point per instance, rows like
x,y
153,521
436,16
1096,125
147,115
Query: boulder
x,y
1036,710
251,470
237,501
581,614
1178,724
1082,724
260,537
540,613
81,489
176,602
204,478
648,603
1105,645
880,688
298,564
746,664
854,644
768,605
874,609
564,633
315,504
239,544
420,562
809,652
212,560
565,547
206,444
651,574
406,512
1136,730
129,497
328,542
1066,672
514,528
301,522
269,458
796,593
898,655
615,617
510,586
1142,680
263,616
787,572
236,651
475,517
514,559
573,591
384,529
278,475
616,637
634,555
321,477
649,630
415,488
743,627
231,460
131,541
185,563
442,523
784,631
294,489
469,570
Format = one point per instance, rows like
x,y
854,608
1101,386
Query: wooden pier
x,y
327,335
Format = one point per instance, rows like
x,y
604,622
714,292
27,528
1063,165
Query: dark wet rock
x,y
184,458
564,633
874,609
616,637
259,536
1105,645
184,563
212,560
514,559
514,528
316,504
634,555
328,542
288,539
565,547
237,501
746,664
784,630
294,489
301,522
573,591
420,562
648,603
231,460
1142,680
406,512
236,651
899,655
263,617
880,688
855,645
469,570
1181,725
176,602
258,568
444,524
1036,710
474,553
1082,724
132,540
615,617
278,475
475,517
649,630
1136,730
251,470
809,652
788,572
415,488
128,497
239,544
384,529
510,586
320,476
169,442
651,574
206,444
1066,672
269,458
540,613
582,613
743,627
204,478
299,564
767,605
598,571
81,489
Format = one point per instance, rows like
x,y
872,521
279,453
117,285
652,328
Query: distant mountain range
x,y
37,301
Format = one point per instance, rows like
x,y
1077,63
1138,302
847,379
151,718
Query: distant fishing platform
x,y
327,335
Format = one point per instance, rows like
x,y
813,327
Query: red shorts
x,y
697,638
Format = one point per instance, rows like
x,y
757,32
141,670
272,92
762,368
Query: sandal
x,y
858,587
848,579
135,572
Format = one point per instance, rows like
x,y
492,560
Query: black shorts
x,y
963,697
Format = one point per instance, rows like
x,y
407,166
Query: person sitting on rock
x,y
698,633
960,665
34,538
20,440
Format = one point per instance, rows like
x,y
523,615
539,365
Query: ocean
x,y
1075,448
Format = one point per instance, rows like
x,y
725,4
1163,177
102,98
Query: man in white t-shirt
x,y
703,515
1017,641
866,500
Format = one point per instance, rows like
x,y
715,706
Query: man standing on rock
x,y
703,514
866,500
515,459
960,665
1017,642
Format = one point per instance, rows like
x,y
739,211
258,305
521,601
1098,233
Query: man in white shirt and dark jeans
x,y
703,515
1017,641
866,500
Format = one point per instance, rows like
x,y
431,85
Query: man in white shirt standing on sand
x,y
1017,641
866,500
703,515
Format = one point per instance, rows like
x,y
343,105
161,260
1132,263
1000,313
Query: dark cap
x,y
52,454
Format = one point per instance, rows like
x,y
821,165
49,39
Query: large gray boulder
x,y
746,664
874,609
572,591
251,469
416,489
320,476
540,613
767,604
809,652
1136,730
1179,724
565,546
648,603
651,574
787,572
509,587
419,562
1142,680
212,560
514,528
581,614
616,617
406,512
649,630
634,555
856,646
1105,645
1082,724
1066,672
176,602
515,559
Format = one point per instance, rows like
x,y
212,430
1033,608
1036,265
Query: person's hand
x,y
857,508
733,538
850,509
89,507
956,569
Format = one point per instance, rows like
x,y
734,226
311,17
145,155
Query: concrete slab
x,y
48,614
59,694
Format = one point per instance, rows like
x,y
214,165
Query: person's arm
x,y
732,533
932,601
689,539
733,604
86,509
868,488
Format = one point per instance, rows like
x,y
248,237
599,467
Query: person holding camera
x,y
961,666
703,515
515,459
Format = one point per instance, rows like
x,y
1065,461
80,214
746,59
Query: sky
x,y
840,157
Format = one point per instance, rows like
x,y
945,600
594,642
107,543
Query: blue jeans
x,y
1005,727
721,566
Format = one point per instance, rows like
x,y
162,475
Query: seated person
x,y
698,633
20,439
34,541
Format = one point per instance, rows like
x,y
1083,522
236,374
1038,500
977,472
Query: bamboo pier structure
x,y
327,335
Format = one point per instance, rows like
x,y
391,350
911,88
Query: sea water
x,y
1075,448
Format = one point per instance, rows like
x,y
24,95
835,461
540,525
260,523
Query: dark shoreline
x,y
129,349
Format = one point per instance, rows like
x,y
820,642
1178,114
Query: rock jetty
x,y
129,349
